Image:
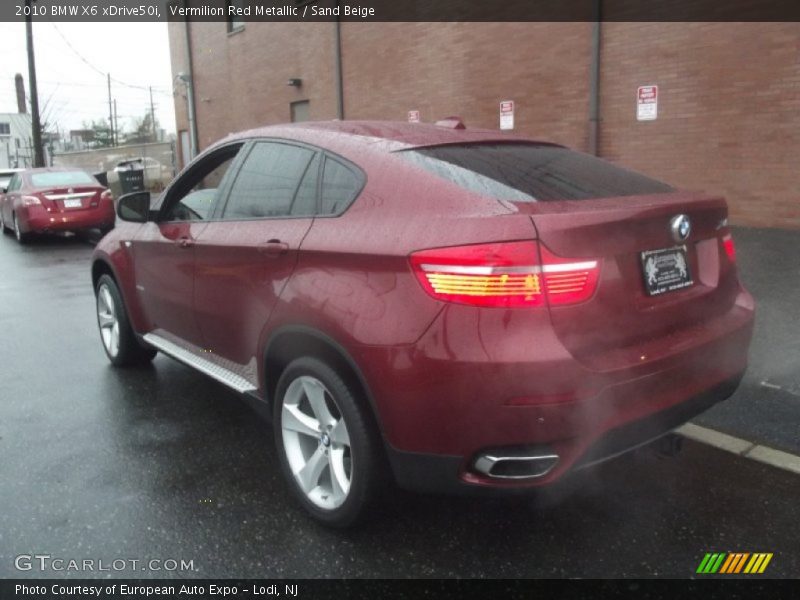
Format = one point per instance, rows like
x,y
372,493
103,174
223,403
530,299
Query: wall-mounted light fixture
x,y
294,82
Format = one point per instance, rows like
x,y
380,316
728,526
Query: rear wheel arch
x,y
295,341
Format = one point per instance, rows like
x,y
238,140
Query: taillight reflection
x,y
730,247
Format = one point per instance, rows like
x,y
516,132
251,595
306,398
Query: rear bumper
x,y
445,474
38,220
471,386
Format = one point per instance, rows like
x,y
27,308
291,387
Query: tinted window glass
x,y
531,172
194,206
5,180
193,196
339,187
305,201
13,185
267,182
60,178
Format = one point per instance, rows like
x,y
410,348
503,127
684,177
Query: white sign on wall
x,y
413,116
647,103
507,114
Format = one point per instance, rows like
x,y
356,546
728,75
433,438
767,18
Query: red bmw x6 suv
x,y
463,310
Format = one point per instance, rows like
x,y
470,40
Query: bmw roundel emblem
x,y
681,227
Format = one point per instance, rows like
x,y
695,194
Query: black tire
x,y
22,238
128,349
366,475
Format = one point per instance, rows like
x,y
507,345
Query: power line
x,y
93,67
156,89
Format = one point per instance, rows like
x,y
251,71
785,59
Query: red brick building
x,y
728,116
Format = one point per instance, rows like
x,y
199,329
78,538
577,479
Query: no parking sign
x,y
647,103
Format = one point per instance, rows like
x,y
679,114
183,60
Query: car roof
x,y
52,169
398,134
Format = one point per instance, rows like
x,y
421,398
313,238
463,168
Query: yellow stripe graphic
x,y
765,563
753,564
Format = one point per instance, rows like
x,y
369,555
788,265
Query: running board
x,y
213,370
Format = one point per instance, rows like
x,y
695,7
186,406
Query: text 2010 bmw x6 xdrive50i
x,y
465,310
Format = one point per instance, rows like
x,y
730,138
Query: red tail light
x,y
507,274
730,248
568,281
31,201
106,195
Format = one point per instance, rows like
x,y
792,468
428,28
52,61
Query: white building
x,y
16,148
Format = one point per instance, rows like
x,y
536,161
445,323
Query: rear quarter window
x,y
340,186
531,172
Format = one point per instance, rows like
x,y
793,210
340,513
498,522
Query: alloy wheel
x,y
17,231
108,321
316,442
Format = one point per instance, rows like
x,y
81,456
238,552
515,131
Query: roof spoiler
x,y
451,123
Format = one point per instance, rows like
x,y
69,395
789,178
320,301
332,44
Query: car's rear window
x,y
59,178
531,172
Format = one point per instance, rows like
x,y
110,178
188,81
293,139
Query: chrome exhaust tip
x,y
516,464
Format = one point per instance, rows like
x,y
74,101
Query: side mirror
x,y
3,190
134,207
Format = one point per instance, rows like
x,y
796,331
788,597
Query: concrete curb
x,y
745,448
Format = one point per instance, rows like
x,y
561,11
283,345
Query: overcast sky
x,y
136,54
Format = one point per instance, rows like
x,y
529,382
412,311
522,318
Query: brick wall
x,y
466,69
728,111
729,93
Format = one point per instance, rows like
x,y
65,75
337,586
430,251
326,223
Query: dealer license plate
x,y
74,203
665,270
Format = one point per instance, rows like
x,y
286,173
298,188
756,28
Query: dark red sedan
x,y
54,199
453,309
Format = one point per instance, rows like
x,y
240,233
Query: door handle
x,y
184,242
274,248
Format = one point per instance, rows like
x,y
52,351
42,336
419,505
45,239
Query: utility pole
x,y
153,116
36,125
110,112
116,122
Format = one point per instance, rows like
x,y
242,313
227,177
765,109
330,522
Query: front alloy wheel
x,y
107,320
119,341
328,444
21,237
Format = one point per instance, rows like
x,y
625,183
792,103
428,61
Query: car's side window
x,y
305,200
192,198
13,185
269,181
340,186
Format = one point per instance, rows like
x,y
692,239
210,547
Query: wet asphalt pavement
x,y
164,463
766,407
